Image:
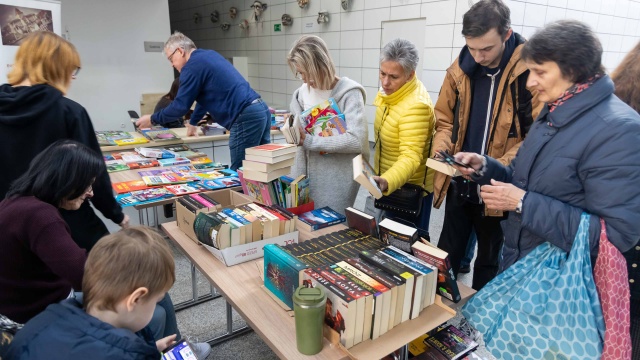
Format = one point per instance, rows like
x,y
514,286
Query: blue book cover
x,y
321,218
282,273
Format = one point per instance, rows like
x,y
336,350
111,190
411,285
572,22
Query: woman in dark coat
x,y
581,154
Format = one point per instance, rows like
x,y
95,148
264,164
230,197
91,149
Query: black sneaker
x,y
465,269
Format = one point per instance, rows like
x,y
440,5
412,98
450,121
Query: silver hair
x,y
179,40
403,52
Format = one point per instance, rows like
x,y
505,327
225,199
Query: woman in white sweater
x,y
327,161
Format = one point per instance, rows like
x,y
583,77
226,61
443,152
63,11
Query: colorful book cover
x,y
451,342
303,191
162,134
174,161
142,164
221,183
116,165
133,141
321,218
325,108
447,285
129,186
341,307
332,125
152,194
182,189
282,273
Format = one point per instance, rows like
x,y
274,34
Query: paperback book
x,y
451,342
319,218
161,134
116,165
447,285
363,174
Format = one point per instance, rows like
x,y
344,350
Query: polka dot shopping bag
x,y
545,306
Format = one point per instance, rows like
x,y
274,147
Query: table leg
x,y
155,218
195,299
404,353
230,332
140,217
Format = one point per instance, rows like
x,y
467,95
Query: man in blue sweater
x,y
219,89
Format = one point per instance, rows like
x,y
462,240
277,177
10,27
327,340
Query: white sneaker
x,y
202,350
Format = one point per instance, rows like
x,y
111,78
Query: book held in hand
x,y
290,129
319,218
363,174
443,167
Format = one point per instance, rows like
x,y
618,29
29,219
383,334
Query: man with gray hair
x,y
218,88
483,107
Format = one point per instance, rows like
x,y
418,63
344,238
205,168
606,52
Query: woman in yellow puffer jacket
x,y
403,127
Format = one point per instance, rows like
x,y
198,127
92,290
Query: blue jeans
x,y
251,128
471,249
421,222
163,322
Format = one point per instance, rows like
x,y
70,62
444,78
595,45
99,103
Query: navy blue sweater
x,y
216,86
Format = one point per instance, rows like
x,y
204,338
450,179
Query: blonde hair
x,y
310,53
45,58
122,262
626,77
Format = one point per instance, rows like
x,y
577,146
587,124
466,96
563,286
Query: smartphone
x,y
134,115
181,350
449,159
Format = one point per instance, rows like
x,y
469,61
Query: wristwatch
x,y
519,206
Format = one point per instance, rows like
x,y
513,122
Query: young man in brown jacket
x,y
484,107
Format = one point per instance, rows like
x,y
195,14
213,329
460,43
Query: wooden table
x,y
183,139
241,286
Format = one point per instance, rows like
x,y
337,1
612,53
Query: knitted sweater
x,y
39,262
403,130
331,174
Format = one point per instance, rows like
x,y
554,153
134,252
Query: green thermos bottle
x,y
309,307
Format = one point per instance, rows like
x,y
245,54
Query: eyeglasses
x,y
75,72
170,58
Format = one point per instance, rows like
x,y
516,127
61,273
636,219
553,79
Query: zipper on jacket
x,y
488,119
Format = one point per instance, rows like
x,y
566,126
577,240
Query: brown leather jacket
x,y
511,109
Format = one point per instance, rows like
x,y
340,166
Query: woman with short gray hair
x,y
403,128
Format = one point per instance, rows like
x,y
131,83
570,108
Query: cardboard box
x,y
242,253
227,199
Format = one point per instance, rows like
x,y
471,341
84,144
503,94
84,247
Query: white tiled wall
x,y
353,36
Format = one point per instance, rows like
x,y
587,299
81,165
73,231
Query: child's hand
x,y
165,342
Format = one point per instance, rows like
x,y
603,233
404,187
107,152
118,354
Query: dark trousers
x,y
460,218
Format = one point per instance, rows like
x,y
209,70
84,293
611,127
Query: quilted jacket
x,y
403,129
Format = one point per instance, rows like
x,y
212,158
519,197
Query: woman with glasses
x,y
34,113
327,161
40,264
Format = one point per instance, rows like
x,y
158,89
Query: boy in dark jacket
x,y
126,274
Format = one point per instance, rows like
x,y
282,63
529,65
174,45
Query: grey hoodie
x,y
331,175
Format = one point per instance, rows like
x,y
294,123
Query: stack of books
x,y
241,225
371,287
265,163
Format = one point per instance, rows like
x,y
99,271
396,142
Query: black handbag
x,y
406,200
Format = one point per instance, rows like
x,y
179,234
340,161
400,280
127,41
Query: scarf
x,y
573,90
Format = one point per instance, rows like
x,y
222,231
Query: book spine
x,y
201,200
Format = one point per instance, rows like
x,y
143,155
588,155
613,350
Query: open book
x,y
363,174
290,129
